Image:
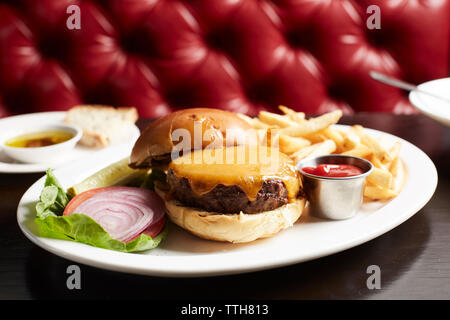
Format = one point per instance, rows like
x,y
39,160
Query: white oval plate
x,y
184,255
8,165
434,108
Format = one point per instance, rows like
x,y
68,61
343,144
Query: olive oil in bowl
x,y
48,143
39,139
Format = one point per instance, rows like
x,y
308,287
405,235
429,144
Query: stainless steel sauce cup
x,y
334,198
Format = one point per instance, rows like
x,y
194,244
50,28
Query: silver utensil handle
x,y
393,82
403,85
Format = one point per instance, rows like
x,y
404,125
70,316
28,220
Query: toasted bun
x,y
155,143
236,228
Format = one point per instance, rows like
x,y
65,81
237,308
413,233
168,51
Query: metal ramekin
x,y
330,197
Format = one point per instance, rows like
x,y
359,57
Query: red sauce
x,y
333,170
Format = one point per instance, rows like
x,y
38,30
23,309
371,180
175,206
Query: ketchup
x,y
333,170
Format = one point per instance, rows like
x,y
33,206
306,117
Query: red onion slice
x,y
154,229
124,212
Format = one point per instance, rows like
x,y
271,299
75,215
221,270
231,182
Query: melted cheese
x,y
244,166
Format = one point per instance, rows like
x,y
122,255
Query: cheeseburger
x,y
220,183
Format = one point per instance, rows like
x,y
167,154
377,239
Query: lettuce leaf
x,y
80,227
53,198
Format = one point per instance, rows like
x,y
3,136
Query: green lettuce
x,y
53,198
79,227
82,228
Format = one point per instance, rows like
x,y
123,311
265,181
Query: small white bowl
x,y
47,154
434,108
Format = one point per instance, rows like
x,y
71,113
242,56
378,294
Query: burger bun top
x,y
204,126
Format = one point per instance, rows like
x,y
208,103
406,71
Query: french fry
x,y
394,151
380,177
352,135
359,151
316,137
377,163
336,136
275,119
351,140
293,115
372,143
245,117
398,179
255,122
290,145
399,174
311,126
377,193
318,149
300,138
326,134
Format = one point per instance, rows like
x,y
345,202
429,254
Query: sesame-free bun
x,y
155,144
236,228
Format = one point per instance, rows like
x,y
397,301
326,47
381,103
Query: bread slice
x,y
101,125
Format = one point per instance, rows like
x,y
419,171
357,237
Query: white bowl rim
x,y
414,98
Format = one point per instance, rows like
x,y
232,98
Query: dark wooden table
x,y
414,258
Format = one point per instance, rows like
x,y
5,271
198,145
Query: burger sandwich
x,y
217,179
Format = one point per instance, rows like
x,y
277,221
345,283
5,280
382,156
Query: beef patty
x,y
229,199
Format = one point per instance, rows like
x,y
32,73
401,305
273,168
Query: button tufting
x,y
238,55
53,46
138,42
305,39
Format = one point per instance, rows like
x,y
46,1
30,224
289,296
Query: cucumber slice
x,y
118,173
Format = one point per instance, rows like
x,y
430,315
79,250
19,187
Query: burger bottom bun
x,y
236,228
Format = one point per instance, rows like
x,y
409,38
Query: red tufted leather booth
x,y
241,55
